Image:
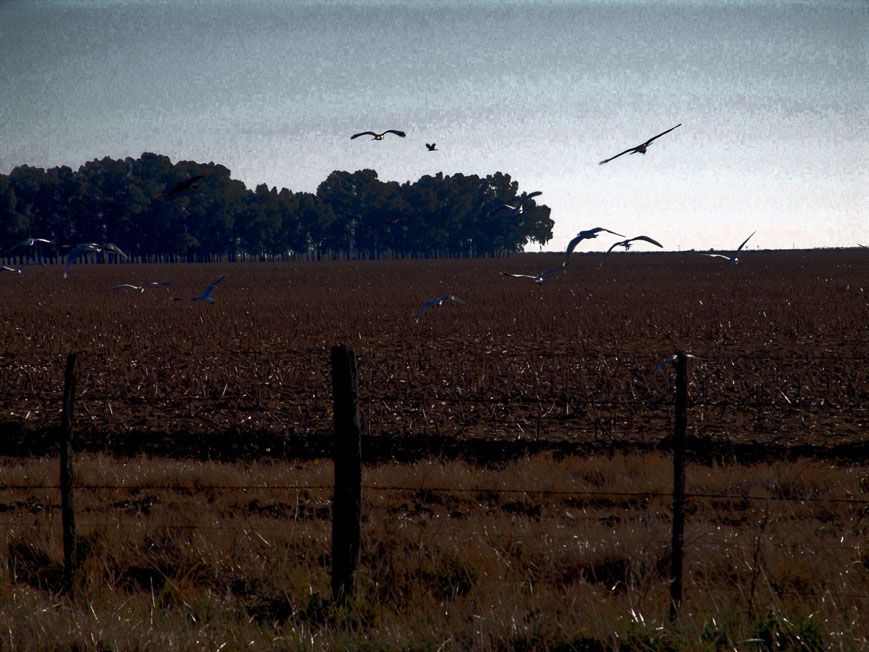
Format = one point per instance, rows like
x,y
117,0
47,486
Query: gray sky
x,y
772,98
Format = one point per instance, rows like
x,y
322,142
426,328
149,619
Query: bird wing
x,y
363,133
396,132
661,134
502,207
570,247
718,256
519,275
112,248
543,275
620,243
531,195
746,240
159,283
212,286
646,238
632,149
592,233
124,285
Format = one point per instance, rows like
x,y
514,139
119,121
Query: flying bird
x,y
437,302
584,235
376,136
640,149
518,209
27,242
183,185
732,260
206,293
88,247
431,147
14,270
627,245
537,278
139,288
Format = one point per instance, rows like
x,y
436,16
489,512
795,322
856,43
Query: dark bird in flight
x,y
627,245
181,186
732,260
376,136
431,147
584,235
640,149
516,210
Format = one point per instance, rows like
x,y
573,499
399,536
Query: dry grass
x,y
525,556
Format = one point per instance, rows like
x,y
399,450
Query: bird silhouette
x,y
376,136
27,242
584,235
627,245
437,301
537,278
138,288
431,147
88,247
519,207
640,149
732,260
206,293
183,185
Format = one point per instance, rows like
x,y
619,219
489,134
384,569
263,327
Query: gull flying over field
x,y
432,147
518,209
88,247
27,242
640,149
732,260
438,301
584,235
139,288
183,185
206,293
376,136
14,270
537,278
627,245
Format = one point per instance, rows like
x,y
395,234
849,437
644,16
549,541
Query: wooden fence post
x,y
347,499
67,513
678,538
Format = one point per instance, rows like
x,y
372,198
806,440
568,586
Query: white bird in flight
x,y
584,235
376,136
537,278
437,302
640,149
27,242
87,247
14,270
733,260
139,288
206,293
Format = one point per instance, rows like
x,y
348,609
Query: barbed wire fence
x,y
348,487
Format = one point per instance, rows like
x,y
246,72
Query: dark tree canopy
x,y
139,205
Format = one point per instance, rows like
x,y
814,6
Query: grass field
x,y
517,479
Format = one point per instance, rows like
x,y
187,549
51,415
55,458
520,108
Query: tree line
x,y
129,202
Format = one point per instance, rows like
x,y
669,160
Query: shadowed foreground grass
x,y
538,553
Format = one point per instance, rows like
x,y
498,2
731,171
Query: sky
x,y
771,95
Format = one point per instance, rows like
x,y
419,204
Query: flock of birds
x,y
513,210
519,208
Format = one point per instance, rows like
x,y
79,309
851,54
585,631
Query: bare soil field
x,y
781,343
517,482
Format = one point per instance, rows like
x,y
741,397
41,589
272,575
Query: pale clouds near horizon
x,y
772,99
